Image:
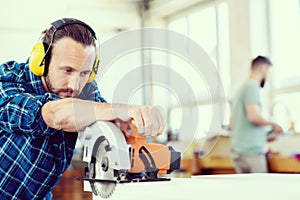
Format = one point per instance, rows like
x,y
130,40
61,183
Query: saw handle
x,y
135,137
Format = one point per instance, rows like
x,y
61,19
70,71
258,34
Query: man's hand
x,y
275,132
149,120
277,128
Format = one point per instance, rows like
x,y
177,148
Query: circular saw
x,y
113,158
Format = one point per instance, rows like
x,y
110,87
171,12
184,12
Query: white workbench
x,y
214,187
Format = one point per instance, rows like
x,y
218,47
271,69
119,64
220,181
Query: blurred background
x,y
230,32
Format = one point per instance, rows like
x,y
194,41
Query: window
x,y
285,48
285,42
208,27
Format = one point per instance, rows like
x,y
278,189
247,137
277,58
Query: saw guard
x,y
119,147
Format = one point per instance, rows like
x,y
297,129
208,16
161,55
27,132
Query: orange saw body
x,y
150,157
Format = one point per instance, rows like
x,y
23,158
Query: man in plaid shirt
x,y
41,115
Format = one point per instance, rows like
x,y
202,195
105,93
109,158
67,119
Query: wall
x,y
23,21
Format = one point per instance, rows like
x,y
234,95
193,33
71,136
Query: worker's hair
x,y
259,60
77,32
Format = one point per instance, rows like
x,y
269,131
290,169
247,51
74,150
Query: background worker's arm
x,y
74,115
254,116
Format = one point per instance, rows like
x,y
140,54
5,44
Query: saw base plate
x,y
136,180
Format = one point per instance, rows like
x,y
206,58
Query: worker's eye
x,y
68,70
85,73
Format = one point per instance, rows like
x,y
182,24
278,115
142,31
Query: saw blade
x,y
103,171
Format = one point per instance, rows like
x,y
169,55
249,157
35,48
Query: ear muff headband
x,y
38,53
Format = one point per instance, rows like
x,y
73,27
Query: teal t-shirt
x,y
246,138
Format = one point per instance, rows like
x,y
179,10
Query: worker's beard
x,y
262,83
54,90
49,84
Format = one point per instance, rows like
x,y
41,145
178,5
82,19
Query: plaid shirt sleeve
x,y
20,111
33,156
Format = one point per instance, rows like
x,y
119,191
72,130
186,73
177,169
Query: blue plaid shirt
x,y
33,156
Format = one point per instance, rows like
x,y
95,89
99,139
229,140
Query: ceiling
x,y
23,21
107,16
34,15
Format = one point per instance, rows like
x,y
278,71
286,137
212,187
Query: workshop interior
x,y
189,57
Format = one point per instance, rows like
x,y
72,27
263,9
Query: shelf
x,y
280,164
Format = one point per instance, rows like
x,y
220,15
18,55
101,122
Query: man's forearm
x,y
74,115
259,120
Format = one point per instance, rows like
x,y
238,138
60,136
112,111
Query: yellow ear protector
x,y
40,49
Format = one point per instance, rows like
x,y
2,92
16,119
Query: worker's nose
x,y
74,83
